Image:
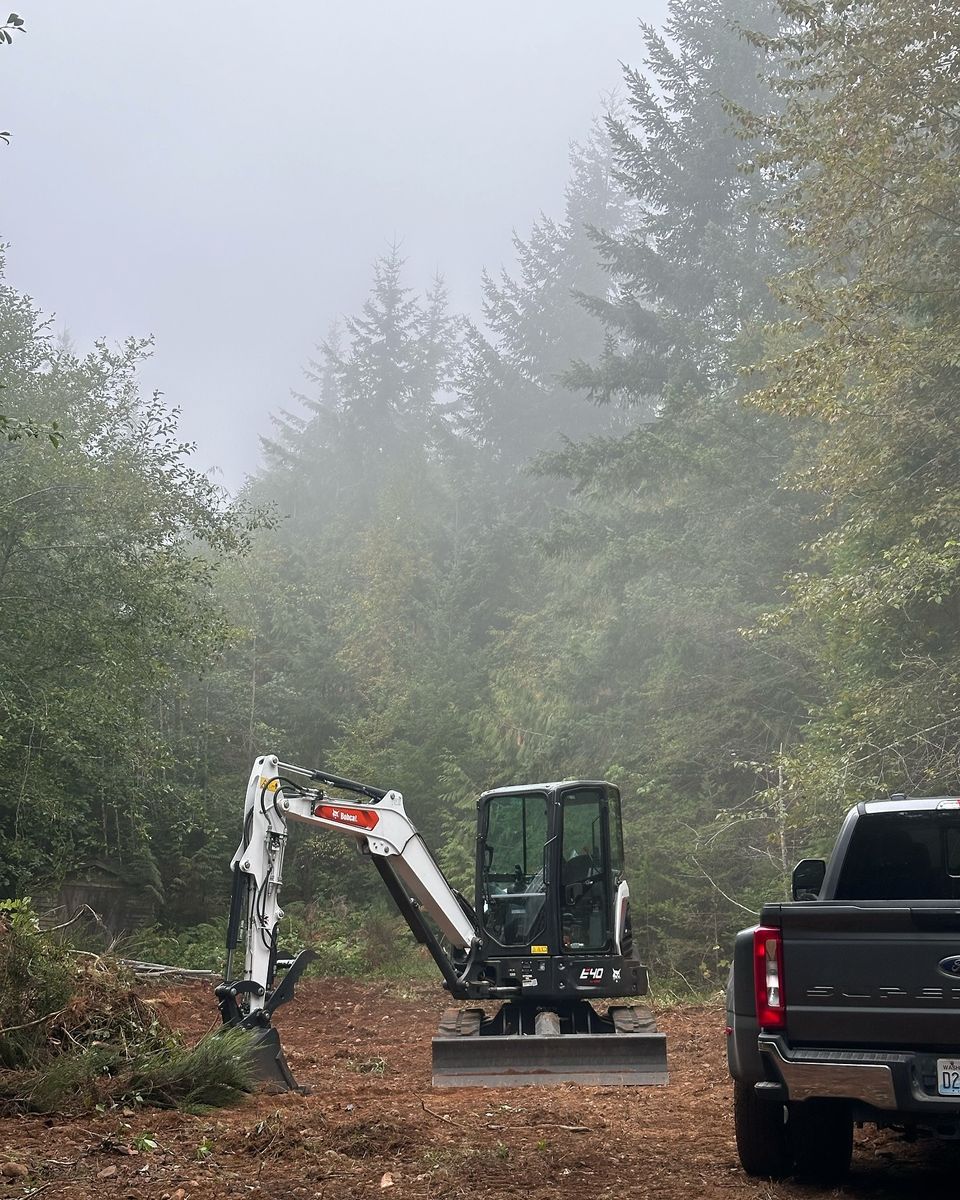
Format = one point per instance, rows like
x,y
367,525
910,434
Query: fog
x,y
222,176
682,518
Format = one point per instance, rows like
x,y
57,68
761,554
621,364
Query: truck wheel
x,y
761,1133
821,1138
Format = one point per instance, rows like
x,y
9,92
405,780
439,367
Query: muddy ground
x,y
374,1127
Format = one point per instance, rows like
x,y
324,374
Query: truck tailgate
x,y
871,974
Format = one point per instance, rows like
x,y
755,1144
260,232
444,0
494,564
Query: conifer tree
x,y
636,665
868,360
515,401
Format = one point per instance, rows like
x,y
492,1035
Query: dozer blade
x,y
534,1060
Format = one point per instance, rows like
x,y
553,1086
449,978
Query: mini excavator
x,y
548,936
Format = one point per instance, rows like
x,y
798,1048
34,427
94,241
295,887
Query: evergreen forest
x,y
680,511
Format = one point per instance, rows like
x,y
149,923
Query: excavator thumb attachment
x,y
543,1049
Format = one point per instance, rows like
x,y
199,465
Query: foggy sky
x,y
222,174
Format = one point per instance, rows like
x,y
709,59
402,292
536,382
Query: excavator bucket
x,y
621,1049
270,1068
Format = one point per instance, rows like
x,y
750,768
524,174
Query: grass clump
x,y
75,1036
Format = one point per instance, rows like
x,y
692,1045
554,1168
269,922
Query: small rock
x,y
386,1181
14,1170
178,1194
107,1173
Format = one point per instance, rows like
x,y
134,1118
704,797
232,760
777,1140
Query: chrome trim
x,y
871,1083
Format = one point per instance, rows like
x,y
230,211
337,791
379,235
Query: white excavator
x,y
548,935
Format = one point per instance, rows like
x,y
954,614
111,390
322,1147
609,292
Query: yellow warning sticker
x,y
270,785
539,950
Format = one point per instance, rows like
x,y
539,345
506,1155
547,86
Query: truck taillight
x,y
768,978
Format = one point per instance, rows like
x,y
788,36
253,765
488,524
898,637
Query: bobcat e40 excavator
x,y
549,933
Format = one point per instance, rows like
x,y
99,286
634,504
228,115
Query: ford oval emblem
x,y
950,966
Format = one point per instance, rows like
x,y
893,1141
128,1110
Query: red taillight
x,y
768,978
357,818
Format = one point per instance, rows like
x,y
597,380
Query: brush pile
x,y
75,1035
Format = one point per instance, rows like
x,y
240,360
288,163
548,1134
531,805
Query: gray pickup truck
x,y
844,1006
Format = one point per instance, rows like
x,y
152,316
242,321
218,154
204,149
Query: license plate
x,y
948,1076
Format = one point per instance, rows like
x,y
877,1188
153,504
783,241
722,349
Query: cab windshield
x,y
512,868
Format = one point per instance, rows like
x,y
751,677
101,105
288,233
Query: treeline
x,y
681,511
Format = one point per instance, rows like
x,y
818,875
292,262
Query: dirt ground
x,y
373,1126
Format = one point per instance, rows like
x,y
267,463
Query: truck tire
x,y
761,1133
821,1139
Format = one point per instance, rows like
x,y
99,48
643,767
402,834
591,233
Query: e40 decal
x,y
591,974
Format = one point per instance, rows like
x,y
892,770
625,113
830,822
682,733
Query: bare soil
x,y
373,1126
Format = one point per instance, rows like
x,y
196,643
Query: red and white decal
x,y
360,818
591,975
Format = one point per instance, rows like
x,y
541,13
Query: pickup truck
x,y
843,1007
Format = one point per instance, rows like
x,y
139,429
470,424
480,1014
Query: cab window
x,y
902,856
512,880
584,903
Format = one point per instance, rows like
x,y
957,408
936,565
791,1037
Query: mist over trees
x,y
681,511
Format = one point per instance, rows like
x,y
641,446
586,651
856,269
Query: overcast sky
x,y
222,174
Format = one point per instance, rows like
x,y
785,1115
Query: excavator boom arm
x,y
278,793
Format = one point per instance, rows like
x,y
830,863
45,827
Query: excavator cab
x,y
549,867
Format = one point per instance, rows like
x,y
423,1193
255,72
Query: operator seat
x,y
574,875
